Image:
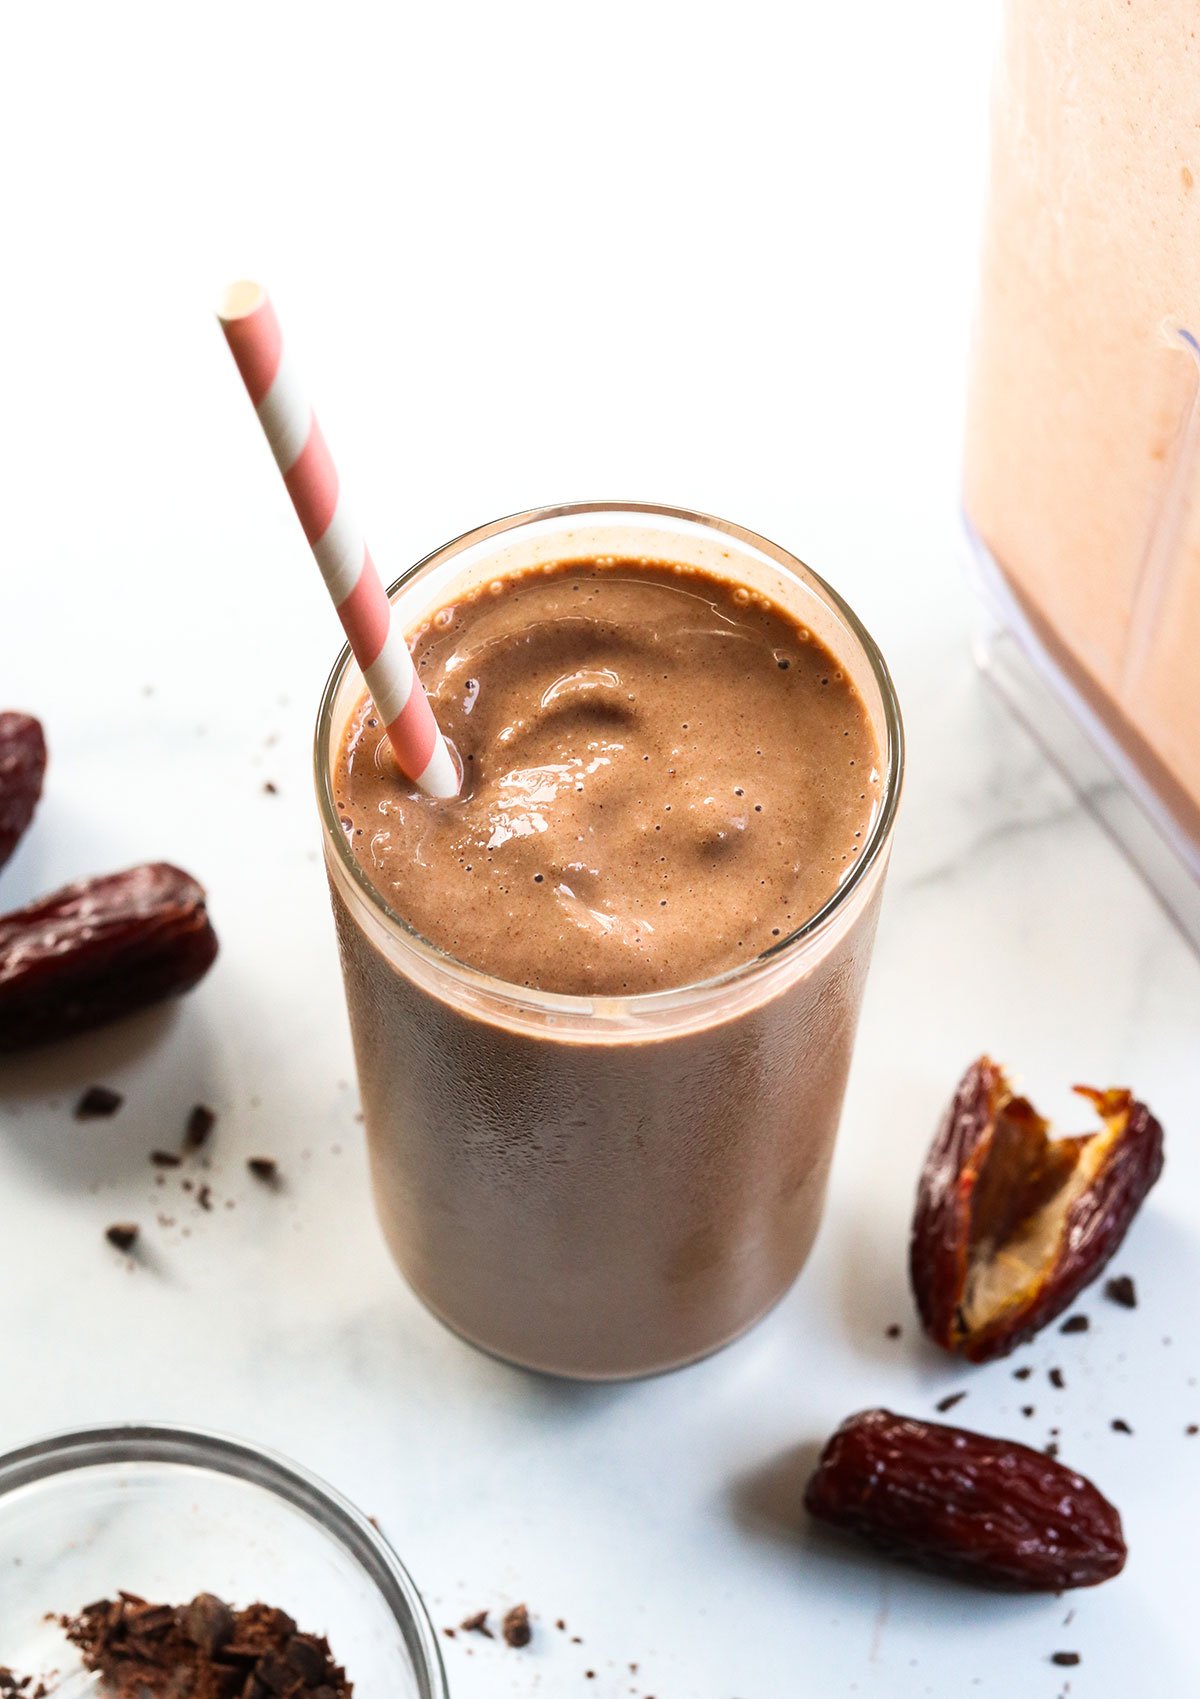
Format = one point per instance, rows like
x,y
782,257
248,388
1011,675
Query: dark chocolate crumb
x,y
122,1234
1122,1291
1067,1660
304,1656
204,1197
1022,1373
264,1168
207,1622
949,1401
271,788
1028,1410
894,1331
1192,1428
165,1159
1051,1448
476,1624
200,1123
1056,1379
1075,1324
1119,1426
450,1633
97,1102
561,1625
515,1627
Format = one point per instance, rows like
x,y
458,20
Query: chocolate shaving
x,y
199,1125
949,1401
165,1159
1066,1660
516,1628
1121,1290
476,1624
98,1102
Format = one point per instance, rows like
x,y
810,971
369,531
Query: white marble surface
x,y
712,256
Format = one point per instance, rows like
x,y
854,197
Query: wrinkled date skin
x,y
98,950
1010,1224
22,769
958,1503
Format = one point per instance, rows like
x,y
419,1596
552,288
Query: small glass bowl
x,y
167,1513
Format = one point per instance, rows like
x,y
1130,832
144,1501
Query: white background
x,y
719,256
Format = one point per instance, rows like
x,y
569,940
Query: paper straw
x,y
290,426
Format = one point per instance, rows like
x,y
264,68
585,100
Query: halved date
x,y
1011,1224
22,769
100,949
961,1504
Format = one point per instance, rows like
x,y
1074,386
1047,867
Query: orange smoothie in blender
x,y
1082,472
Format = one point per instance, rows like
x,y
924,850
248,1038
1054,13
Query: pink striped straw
x,y
351,577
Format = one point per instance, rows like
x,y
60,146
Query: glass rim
x,y
563,1003
63,1452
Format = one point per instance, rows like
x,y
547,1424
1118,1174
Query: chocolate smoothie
x,y
666,775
